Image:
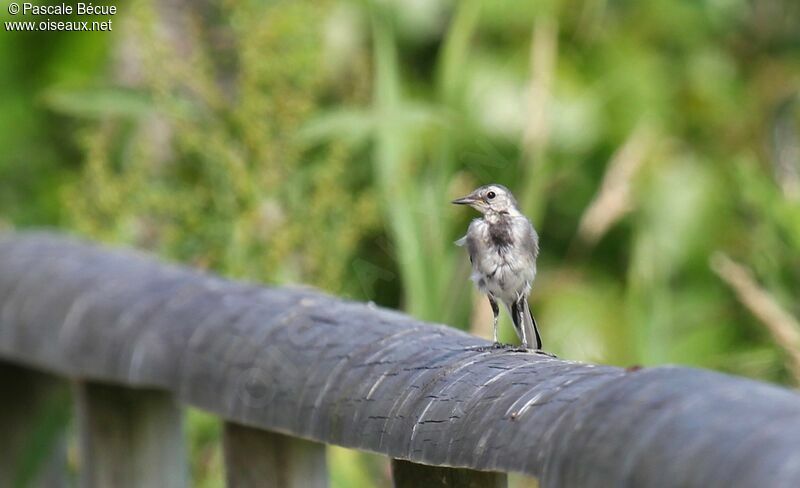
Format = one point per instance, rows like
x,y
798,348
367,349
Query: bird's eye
x,y
490,195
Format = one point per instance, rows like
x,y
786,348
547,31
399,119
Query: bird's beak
x,y
467,200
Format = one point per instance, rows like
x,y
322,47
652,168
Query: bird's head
x,y
490,199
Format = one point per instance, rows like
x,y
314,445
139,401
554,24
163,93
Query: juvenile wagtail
x,y
503,247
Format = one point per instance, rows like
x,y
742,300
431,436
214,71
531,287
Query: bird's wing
x,y
530,240
469,241
472,240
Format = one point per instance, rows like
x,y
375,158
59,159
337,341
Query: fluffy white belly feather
x,y
499,270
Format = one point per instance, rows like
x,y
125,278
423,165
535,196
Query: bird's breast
x,y
503,272
502,265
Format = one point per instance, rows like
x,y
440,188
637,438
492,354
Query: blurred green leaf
x,y
98,103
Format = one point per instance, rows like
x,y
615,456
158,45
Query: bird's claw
x,y
534,351
511,348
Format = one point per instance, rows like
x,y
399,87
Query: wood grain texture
x,y
309,365
406,474
130,438
258,458
33,419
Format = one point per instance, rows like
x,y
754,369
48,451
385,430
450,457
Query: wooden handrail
x,y
301,363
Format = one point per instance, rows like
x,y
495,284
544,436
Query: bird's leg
x,y
495,313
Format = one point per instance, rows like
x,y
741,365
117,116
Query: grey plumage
x,y
503,247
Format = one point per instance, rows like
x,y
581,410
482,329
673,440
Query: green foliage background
x,y
320,142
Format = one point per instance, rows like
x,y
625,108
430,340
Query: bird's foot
x,y
534,351
498,346
494,346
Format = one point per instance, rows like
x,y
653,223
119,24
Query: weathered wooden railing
x,y
290,370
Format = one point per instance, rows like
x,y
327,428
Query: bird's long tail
x,y
528,323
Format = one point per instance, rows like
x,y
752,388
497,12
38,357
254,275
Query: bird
x,y
503,247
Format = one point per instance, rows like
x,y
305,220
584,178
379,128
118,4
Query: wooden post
x,y
130,438
411,475
258,458
33,418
